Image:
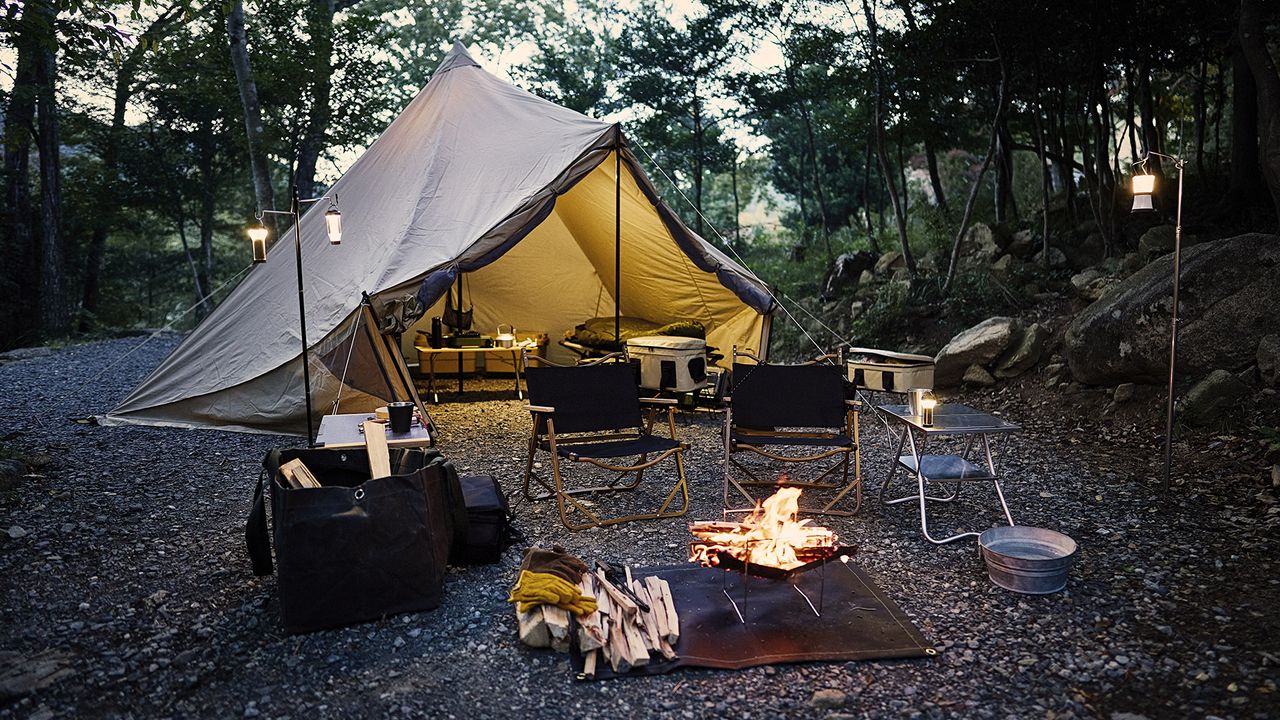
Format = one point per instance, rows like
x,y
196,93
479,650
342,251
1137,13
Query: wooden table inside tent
x,y
429,354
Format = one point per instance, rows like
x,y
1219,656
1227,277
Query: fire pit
x,y
770,543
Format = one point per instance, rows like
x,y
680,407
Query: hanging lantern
x,y
333,224
1144,186
258,239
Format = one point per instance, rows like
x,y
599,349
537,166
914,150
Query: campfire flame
x,y
771,535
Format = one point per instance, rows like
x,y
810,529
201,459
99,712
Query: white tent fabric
x,y
474,176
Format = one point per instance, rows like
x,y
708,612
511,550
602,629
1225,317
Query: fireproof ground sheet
x,y
858,621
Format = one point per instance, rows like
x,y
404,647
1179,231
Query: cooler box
x,y
887,371
670,363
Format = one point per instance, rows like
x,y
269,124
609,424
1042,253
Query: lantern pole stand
x,y
295,212
1173,329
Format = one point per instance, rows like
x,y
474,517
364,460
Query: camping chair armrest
x,y
855,404
658,401
539,408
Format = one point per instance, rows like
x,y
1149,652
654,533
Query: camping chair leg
x,y
682,486
561,495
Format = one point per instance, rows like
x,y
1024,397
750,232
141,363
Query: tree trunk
x,y
935,178
104,215
249,103
54,320
320,28
1267,83
1245,183
811,149
19,325
697,158
208,204
1066,171
1129,113
1150,135
1198,100
1004,173
872,241
1045,174
886,169
737,211
1001,99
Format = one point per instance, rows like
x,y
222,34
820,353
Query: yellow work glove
x,y
536,588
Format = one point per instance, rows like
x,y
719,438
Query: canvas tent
x,y
475,176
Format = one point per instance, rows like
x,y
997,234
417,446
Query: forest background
x,y
139,139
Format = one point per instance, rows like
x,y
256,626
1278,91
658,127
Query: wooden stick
x,y
653,584
616,596
648,622
589,663
590,633
673,620
298,475
375,443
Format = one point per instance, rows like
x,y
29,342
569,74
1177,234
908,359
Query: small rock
x,y
1124,392
1057,259
828,699
1269,360
16,532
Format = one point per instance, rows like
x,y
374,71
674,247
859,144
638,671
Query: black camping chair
x,y
791,414
591,414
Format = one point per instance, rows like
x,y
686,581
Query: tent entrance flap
x,y
362,366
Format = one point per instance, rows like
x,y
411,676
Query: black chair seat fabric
x,y
646,444
838,441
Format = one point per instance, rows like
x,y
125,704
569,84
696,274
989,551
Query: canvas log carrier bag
x,y
489,529
356,549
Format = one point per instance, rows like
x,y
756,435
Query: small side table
x,y
948,419
342,431
431,354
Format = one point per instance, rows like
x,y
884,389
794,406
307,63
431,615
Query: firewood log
x,y
532,626
557,621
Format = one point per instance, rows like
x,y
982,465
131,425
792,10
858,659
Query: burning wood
x,y
769,536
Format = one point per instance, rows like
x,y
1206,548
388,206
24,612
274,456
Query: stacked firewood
x,y
633,622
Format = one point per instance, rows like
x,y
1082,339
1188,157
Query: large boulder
x,y
1022,244
1212,398
1228,297
1159,240
1024,354
979,345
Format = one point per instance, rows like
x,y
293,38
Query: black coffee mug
x,y
401,414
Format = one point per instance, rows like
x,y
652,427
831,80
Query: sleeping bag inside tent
x,y
531,202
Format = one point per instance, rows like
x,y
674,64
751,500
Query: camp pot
x,y
507,338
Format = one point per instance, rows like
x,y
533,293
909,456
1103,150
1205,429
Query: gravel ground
x,y
127,589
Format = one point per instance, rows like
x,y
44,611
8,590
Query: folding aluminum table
x,y
948,419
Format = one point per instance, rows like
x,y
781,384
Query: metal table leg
x,y
431,378
515,363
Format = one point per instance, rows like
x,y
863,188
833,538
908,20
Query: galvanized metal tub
x,y
1028,560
